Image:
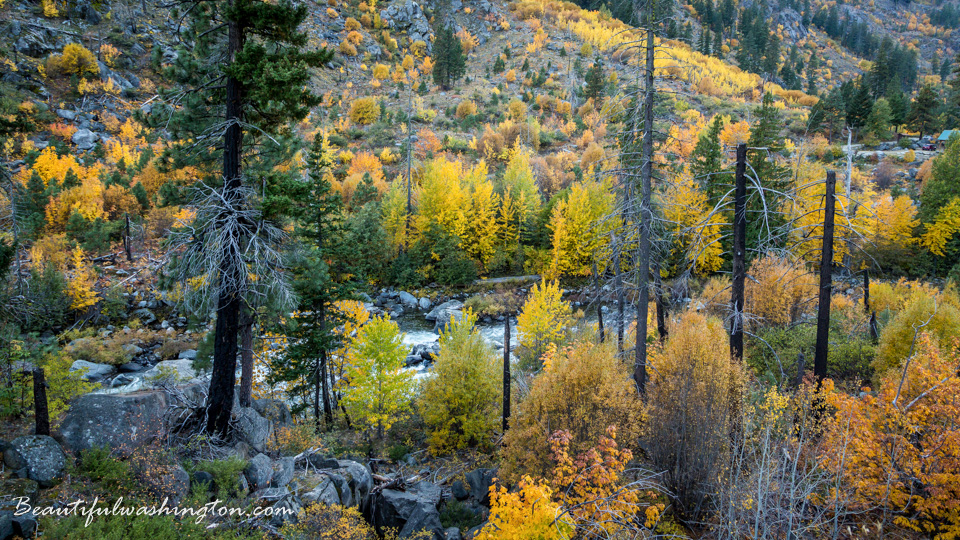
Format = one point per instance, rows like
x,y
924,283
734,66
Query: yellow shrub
x,y
584,389
517,110
466,108
937,315
381,71
780,291
909,156
50,249
355,37
364,110
347,49
351,24
332,13
109,53
75,60
525,514
81,282
366,21
49,8
418,48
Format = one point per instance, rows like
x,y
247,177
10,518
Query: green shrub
x,y
226,474
99,465
456,514
138,527
848,358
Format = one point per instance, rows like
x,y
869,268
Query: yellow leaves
x,y
539,40
544,318
466,108
364,110
49,8
482,232
580,230
517,110
778,290
944,227
696,229
81,282
109,53
467,40
50,166
394,212
74,60
735,133
86,199
875,441
528,514
50,249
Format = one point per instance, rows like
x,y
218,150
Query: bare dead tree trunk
x,y
739,255
223,377
506,374
621,300
246,357
826,281
801,368
40,403
874,330
646,213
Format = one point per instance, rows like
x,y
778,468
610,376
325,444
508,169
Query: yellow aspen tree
x,y
81,282
543,320
579,230
393,208
518,179
696,233
945,225
441,198
482,227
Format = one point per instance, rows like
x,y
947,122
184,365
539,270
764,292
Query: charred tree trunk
x,y
866,291
126,239
826,281
596,286
661,306
246,357
223,377
739,255
621,300
40,403
506,374
646,212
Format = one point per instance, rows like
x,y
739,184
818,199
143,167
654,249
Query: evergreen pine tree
x,y
718,44
595,81
450,63
922,111
859,107
321,277
706,162
245,65
899,107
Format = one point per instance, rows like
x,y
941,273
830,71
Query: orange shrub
x,y
466,108
351,24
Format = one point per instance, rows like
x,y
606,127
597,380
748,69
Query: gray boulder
x,y
274,410
453,533
251,428
6,524
41,456
259,472
442,311
145,315
85,139
121,422
91,371
67,115
282,472
425,303
189,354
179,370
122,380
392,509
324,493
173,484
480,481
425,518
408,300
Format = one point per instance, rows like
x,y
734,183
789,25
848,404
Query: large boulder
x,y
480,481
251,428
121,422
273,410
172,483
41,457
91,371
441,311
324,493
408,300
425,518
259,472
85,139
283,470
177,370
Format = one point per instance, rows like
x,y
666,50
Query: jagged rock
x,y
391,509
324,462
251,428
324,493
407,15
42,457
121,422
67,115
480,481
145,315
203,477
6,524
25,525
85,11
122,380
91,371
13,489
792,23
259,472
453,533
286,509
130,367
459,491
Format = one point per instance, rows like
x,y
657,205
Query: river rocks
x,y
42,458
179,370
439,311
259,472
392,509
425,304
251,428
122,380
408,300
145,315
70,116
91,371
121,422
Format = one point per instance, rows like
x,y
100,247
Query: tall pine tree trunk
x,y
223,378
246,357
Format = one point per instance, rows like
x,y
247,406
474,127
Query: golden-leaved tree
x,y
580,230
461,400
544,320
81,282
696,229
379,389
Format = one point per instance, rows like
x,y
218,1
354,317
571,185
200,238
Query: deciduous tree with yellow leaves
x,y
81,282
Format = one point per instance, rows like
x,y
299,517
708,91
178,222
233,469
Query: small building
x,y
944,137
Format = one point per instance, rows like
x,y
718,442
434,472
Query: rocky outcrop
x,y
251,428
92,371
121,422
38,458
408,16
259,472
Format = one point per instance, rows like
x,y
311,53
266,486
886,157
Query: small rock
x,y
259,472
189,354
283,470
122,380
84,139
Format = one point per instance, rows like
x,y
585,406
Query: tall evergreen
x,y
246,65
321,277
922,116
595,81
706,161
450,62
859,107
763,216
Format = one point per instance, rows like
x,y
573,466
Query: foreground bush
x,y
693,393
461,401
583,389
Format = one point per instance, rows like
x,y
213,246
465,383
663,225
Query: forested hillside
x,y
447,269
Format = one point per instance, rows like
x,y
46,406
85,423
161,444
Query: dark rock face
x,y
480,481
273,410
41,457
121,422
252,428
259,472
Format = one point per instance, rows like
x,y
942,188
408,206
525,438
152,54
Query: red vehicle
x,y
929,147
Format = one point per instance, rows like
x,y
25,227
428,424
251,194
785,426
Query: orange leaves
x,y
735,133
366,162
898,449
